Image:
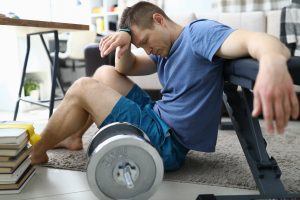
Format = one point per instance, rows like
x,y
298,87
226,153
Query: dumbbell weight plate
x,y
116,128
128,148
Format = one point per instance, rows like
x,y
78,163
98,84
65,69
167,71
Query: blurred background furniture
x,y
71,57
93,59
32,28
290,27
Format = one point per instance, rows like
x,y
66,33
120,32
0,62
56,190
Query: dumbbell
x,y
122,164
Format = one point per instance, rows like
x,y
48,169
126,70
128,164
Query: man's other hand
x,y
274,95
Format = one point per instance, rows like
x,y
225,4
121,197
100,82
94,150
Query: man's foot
x,y
38,157
73,142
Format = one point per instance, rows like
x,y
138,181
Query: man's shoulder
x,y
201,25
203,22
205,26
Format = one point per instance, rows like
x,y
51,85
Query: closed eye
x,y
144,41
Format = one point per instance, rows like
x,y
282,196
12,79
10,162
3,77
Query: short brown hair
x,y
140,14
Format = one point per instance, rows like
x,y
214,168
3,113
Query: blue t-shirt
x,y
192,81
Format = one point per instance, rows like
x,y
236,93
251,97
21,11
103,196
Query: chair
x,y
75,54
93,59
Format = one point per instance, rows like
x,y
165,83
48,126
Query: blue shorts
x,y
136,108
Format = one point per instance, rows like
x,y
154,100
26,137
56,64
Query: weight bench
x,y
265,171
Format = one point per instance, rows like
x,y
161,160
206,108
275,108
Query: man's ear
x,y
158,18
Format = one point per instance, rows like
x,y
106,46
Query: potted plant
x,y
31,88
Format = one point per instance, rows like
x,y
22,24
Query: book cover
x,y
11,152
15,161
14,177
8,169
28,128
10,158
12,135
14,146
17,187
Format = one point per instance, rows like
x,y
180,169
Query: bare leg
x,y
110,77
74,142
87,97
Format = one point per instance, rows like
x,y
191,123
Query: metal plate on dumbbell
x,y
124,166
116,128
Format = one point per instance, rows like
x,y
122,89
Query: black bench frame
x,y
265,171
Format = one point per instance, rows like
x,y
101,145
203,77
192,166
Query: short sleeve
x,y
207,36
154,58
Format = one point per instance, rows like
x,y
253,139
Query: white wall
x,y
9,74
12,55
72,11
29,9
174,7
13,42
186,6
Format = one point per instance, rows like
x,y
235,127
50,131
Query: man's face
x,y
155,40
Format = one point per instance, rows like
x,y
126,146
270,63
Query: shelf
x,y
105,14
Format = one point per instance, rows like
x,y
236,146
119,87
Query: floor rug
x,y
225,167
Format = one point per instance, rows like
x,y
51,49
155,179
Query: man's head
x,y
150,28
141,15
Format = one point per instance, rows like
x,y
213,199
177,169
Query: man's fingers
x,y
106,47
102,41
111,42
295,105
102,47
279,114
287,109
256,105
267,108
105,44
110,48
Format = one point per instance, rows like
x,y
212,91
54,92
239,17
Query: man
x,y
189,63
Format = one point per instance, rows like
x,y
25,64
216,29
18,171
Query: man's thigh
x,y
90,96
147,120
112,78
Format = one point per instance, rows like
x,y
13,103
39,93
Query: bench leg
x,y
265,170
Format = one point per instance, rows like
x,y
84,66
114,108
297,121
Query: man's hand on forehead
x,y
111,42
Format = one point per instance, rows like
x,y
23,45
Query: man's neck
x,y
175,30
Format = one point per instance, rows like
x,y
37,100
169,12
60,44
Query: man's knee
x,y
107,73
82,87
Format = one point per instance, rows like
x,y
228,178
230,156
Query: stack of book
x,y
15,164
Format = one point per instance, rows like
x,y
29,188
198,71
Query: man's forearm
x,y
125,63
262,46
